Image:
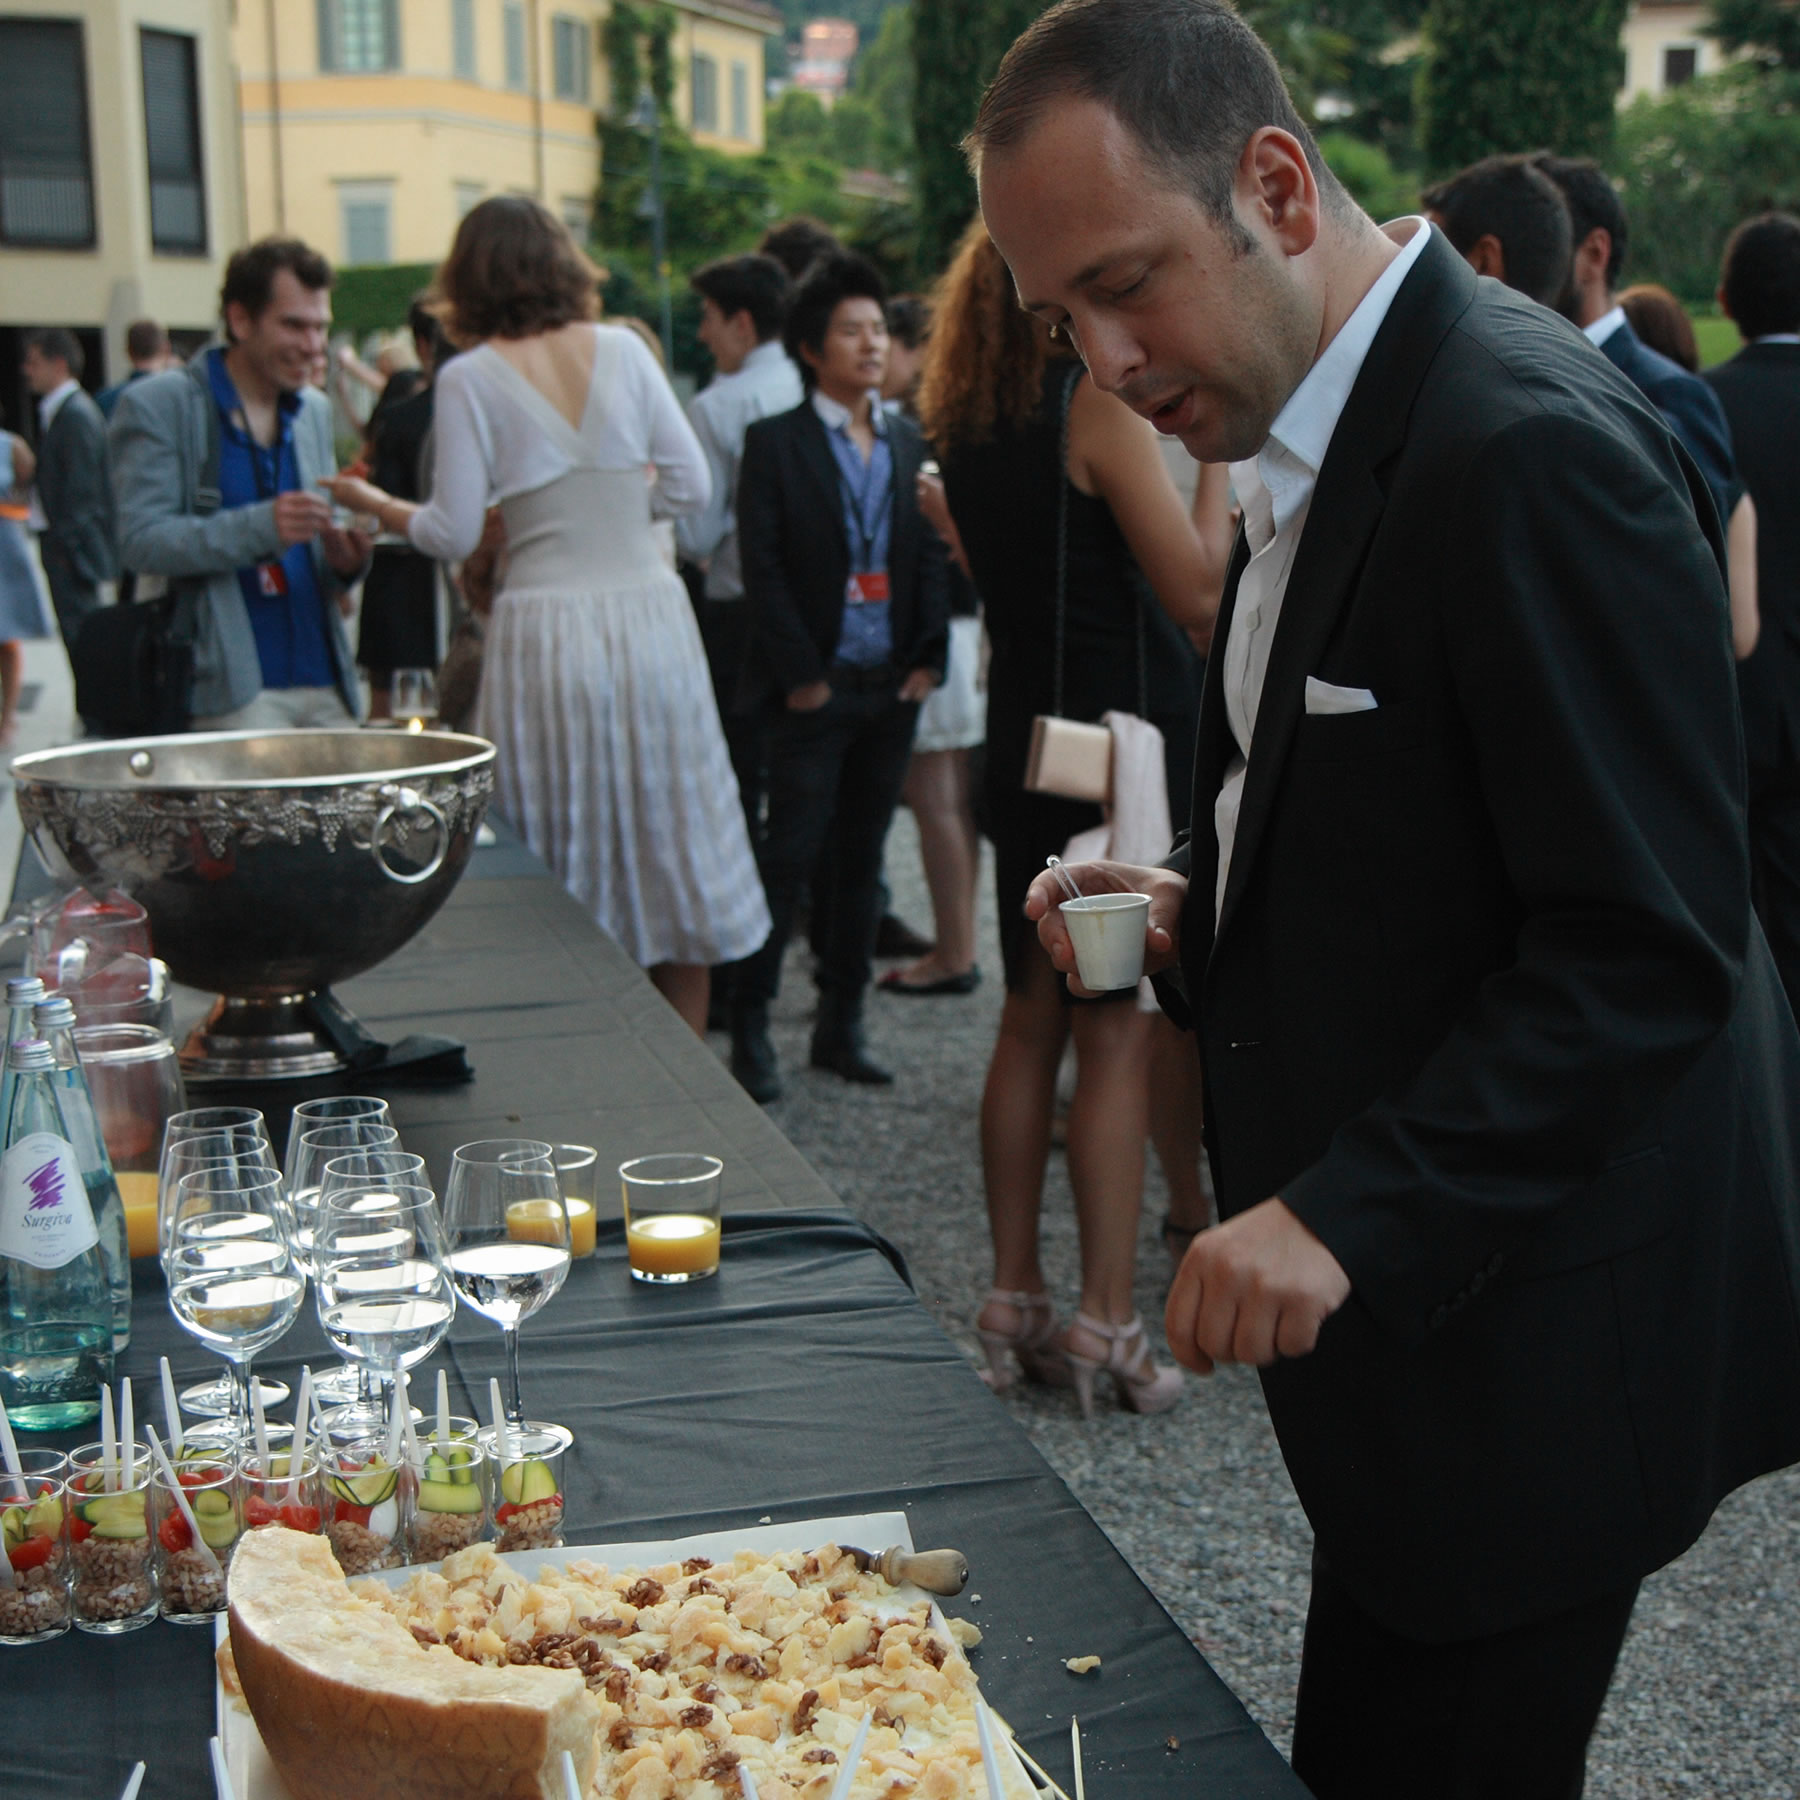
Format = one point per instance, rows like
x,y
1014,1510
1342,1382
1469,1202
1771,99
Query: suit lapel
x,y
1346,508
815,454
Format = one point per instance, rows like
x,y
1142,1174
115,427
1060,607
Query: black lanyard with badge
x,y
866,586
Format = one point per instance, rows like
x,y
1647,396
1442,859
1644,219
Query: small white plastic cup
x,y
1108,932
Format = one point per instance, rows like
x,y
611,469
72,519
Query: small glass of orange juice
x,y
578,1176
672,1216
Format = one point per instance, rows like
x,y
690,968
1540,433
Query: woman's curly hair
x,y
512,272
984,366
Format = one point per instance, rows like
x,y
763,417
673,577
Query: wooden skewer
x,y
132,1786
1075,1739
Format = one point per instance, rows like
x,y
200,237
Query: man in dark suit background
x,y
1506,218
849,599
1601,238
74,482
1499,1076
1760,388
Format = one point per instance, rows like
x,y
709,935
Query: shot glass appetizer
x,y
34,1530
528,1495
364,1509
449,1494
191,1575
282,1494
109,1539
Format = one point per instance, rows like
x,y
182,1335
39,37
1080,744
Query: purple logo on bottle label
x,y
46,1184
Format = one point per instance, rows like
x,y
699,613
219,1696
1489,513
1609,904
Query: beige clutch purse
x,y
1069,759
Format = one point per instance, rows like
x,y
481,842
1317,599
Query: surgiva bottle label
x,y
45,1219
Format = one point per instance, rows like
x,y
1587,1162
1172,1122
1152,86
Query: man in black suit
x,y
1760,389
1506,218
849,598
1498,1072
1601,238
74,481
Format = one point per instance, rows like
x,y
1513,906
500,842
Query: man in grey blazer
x,y
73,485
217,468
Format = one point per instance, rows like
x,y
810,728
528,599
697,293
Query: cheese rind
x,y
352,1707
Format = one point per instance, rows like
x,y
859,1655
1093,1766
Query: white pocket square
x,y
1322,697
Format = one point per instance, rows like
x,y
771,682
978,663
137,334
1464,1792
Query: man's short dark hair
x,y
1512,200
144,339
250,275
757,285
1187,78
1760,276
1594,205
830,282
54,344
798,243
909,320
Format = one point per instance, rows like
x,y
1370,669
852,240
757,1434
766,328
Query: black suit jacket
x,y
1760,389
796,561
1486,1004
1690,407
74,482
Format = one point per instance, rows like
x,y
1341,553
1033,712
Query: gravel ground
x,y
1707,1698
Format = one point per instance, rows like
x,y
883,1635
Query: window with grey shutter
x,y
172,143
740,100
705,93
571,52
462,39
512,26
46,174
358,37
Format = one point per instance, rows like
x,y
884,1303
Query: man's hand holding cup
x,y
1167,893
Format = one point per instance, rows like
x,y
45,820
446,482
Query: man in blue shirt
x,y
270,567
849,598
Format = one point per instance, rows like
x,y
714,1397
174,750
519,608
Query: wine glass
x,y
334,1109
414,699
507,1232
311,1145
380,1283
233,1281
243,1148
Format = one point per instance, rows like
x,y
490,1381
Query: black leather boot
x,y
752,1055
837,1041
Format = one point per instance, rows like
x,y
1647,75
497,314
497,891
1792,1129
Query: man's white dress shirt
x,y
764,384
1275,489
1603,327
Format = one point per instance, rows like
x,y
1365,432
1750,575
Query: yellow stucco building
x,y
371,126
119,189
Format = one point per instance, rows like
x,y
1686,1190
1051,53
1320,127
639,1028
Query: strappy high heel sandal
x,y
1144,1385
1036,1340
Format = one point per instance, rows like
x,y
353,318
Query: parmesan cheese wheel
x,y
352,1707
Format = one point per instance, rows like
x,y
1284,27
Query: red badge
x,y
863,590
271,580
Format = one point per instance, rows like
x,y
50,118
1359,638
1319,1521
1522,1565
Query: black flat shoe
x,y
851,1061
965,983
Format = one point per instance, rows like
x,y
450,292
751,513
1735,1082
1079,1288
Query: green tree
x,y
1519,75
1695,160
798,125
1366,170
884,83
1770,29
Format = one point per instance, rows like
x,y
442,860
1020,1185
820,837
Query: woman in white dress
x,y
594,688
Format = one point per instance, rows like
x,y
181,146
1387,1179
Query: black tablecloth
x,y
805,1381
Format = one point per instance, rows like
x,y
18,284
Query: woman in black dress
x,y
398,629
1013,419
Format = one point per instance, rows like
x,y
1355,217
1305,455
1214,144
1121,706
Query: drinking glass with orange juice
x,y
135,1078
672,1216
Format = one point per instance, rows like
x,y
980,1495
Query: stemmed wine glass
x,y
211,1136
312,1143
233,1281
383,1292
507,1232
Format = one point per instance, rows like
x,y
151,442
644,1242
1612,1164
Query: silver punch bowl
x,y
271,863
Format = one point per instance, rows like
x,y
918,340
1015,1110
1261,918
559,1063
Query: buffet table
x,y
805,1381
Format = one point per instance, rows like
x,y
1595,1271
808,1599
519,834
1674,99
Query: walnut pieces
x,y
705,1669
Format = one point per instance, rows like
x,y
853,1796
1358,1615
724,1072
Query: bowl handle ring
x,y
409,800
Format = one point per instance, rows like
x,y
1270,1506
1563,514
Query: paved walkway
x,y
1707,1701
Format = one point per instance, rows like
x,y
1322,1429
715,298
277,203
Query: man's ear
x,y
1487,256
1592,255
